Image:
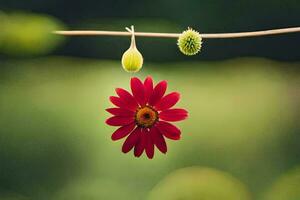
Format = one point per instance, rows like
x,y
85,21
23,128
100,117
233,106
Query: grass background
x,y
54,144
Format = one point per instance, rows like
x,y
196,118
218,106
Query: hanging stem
x,y
131,31
176,35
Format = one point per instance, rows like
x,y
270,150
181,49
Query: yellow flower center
x,y
146,116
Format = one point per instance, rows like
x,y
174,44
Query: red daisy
x,y
144,116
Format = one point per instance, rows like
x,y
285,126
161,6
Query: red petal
x,y
120,112
168,101
119,120
173,115
138,90
131,140
120,103
140,145
158,93
158,140
148,83
125,96
117,101
149,145
168,130
122,131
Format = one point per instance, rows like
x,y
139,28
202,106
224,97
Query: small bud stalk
x,y
132,59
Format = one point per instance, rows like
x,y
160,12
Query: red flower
x,y
144,117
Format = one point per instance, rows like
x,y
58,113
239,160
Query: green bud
x,y
189,42
132,59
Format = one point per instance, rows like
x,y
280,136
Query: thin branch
x,y
176,35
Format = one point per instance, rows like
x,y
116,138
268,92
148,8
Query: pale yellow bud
x,y
132,59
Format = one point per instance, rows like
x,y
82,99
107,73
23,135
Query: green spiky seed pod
x,y
132,59
189,42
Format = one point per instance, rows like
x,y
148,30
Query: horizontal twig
x,y
176,35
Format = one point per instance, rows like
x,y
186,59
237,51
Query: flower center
x,y
146,116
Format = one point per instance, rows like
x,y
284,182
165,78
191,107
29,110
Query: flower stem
x,y
176,35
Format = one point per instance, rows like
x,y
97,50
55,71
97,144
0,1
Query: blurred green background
x,y
242,138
